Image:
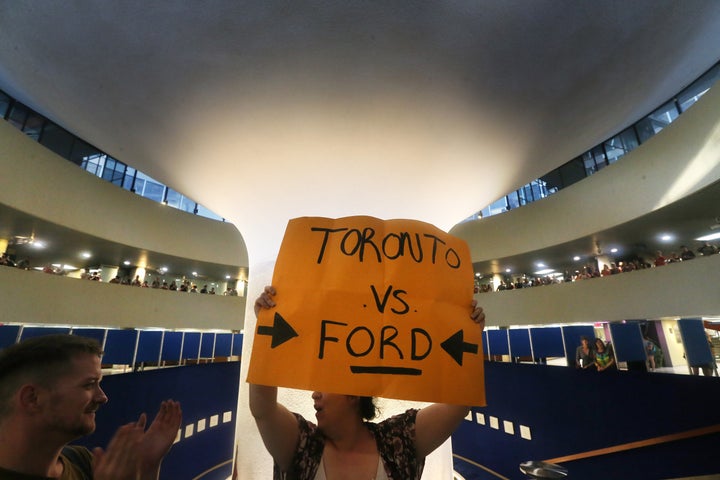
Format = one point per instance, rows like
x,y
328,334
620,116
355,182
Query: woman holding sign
x,y
344,443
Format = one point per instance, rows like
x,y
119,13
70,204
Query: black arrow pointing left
x,y
455,346
281,331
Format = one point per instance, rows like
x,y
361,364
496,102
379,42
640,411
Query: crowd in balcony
x,y
592,271
185,286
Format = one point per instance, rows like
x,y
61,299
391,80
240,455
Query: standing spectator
x,y
584,355
604,356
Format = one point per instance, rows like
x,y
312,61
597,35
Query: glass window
x,y
598,155
656,121
5,102
665,115
528,193
698,88
573,171
93,164
589,163
553,180
82,150
173,198
114,171
147,187
204,212
129,179
34,125
187,205
57,139
18,114
629,139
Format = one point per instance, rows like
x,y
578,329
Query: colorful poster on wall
x,y
371,307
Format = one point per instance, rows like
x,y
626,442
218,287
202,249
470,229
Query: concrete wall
x,y
686,289
36,181
683,159
37,297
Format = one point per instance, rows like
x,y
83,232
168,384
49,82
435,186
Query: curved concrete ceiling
x,y
265,111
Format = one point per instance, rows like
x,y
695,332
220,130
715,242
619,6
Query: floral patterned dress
x,y
395,439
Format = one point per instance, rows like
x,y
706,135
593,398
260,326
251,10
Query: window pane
x,y
698,88
18,114
572,172
629,139
93,164
665,115
589,163
656,121
114,171
5,102
173,198
127,182
33,125
81,151
149,188
598,155
57,139
187,205
204,212
553,180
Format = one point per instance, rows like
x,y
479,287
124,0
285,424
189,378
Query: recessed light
x,y
576,258
613,250
666,237
508,270
85,254
126,262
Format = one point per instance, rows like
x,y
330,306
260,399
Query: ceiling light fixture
x,y
707,238
545,271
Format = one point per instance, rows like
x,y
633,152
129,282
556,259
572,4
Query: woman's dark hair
x,y
368,409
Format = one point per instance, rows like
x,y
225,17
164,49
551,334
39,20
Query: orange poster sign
x,y
371,307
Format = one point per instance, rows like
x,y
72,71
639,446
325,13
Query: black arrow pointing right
x,y
281,331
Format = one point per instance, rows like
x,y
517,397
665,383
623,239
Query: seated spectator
x,y
173,286
136,281
604,356
115,280
156,283
605,270
212,291
686,253
204,289
708,249
5,261
614,269
659,259
674,258
164,285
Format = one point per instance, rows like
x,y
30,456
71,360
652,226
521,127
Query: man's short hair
x,y
39,359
